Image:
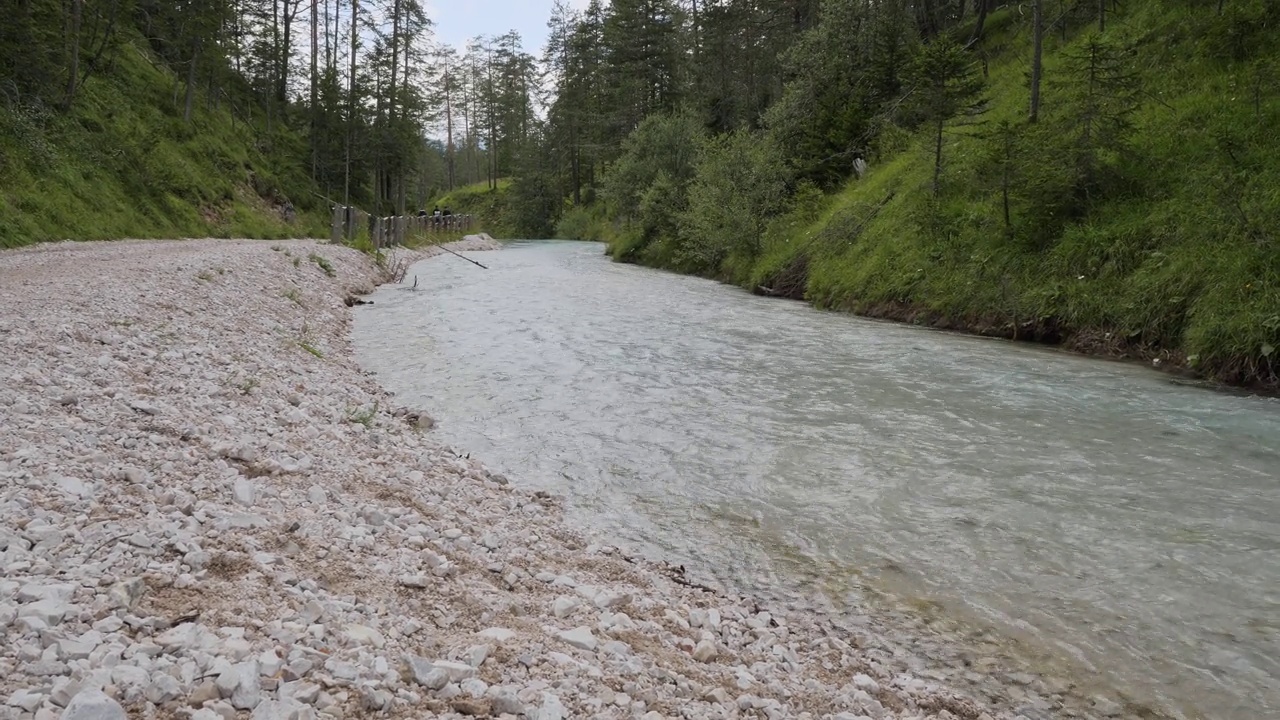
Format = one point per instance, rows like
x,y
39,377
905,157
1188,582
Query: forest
x,y
156,118
1098,174
1093,174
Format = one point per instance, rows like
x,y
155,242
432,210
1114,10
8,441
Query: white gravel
x,y
210,511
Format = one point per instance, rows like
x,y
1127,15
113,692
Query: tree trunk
x,y
1037,21
937,156
395,60
982,20
191,82
276,77
351,101
73,52
493,131
1102,15
448,123
315,84
328,45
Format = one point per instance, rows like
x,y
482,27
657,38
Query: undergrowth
x,y
124,164
1169,251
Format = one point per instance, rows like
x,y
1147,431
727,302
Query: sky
x,y
457,21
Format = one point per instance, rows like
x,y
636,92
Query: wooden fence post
x,y
335,225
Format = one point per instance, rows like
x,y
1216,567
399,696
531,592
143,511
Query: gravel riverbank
x,y
210,511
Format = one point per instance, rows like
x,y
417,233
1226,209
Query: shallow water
x,y
1098,511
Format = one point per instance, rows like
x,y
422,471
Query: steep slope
x,y
1171,253
491,207
123,163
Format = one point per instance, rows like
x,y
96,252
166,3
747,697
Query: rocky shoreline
x,y
210,512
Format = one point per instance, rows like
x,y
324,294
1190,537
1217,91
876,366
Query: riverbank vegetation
x,y
1081,172
1088,174
144,118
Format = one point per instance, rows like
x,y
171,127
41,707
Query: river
x,y
1100,512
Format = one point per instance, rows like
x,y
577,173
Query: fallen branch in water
x,y
461,256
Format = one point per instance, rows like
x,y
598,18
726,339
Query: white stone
x,y
303,692
126,593
243,492
79,648
551,708
363,635
248,689
579,637
50,611
285,709
28,700
476,655
162,689
498,635
564,606
705,651
504,701
456,671
93,704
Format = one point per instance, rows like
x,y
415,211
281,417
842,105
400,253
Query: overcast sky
x,y
460,20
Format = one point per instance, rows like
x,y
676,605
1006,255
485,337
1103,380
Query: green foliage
x,y
663,146
488,205
739,185
840,75
323,263
312,349
122,163
584,222
1100,92
363,415
1137,218
946,85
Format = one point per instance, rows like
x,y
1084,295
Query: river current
x,y
1101,513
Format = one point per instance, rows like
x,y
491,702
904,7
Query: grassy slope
x,y
490,207
124,164
1183,266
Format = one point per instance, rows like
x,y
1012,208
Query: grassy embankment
x,y
1179,262
489,207
123,163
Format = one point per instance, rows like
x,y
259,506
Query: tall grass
x,y
124,164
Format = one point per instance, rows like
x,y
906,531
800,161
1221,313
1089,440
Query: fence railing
x,y
392,230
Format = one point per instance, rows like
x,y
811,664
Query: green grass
x,y
1180,260
489,206
124,164
311,349
363,416
323,263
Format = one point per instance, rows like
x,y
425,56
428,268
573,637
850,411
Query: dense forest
x,y
1091,173
162,118
1095,173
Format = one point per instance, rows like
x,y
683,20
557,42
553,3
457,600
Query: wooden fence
x,y
393,230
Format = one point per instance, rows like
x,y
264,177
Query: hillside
x,y
1140,217
490,206
1180,261
123,163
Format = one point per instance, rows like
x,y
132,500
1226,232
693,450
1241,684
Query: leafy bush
x,y
739,185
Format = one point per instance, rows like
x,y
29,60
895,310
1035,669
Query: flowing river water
x,y
1101,513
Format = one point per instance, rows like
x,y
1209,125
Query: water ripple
x,y
1104,512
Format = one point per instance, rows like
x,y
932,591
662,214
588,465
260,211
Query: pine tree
x,y
946,85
